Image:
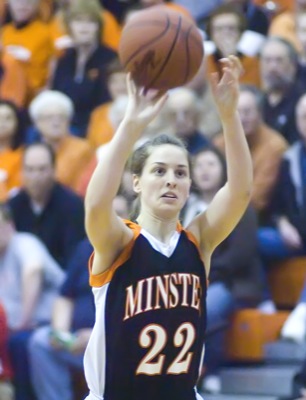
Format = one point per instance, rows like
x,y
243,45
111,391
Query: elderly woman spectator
x,y
51,113
81,71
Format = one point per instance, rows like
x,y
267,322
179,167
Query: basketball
x,y
161,48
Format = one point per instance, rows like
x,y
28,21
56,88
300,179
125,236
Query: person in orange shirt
x,y
266,145
284,24
13,81
225,27
28,40
10,149
51,113
100,129
110,34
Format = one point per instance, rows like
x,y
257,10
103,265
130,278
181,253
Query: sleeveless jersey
x,y
148,338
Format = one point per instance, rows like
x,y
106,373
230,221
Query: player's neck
x,y
162,229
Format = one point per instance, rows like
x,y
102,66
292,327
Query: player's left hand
x,y
225,89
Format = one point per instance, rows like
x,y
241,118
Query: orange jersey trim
x,y
107,275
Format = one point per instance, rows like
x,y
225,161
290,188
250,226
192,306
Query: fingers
x,y
131,87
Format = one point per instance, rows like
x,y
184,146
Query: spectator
x,y
29,280
286,235
51,113
284,24
46,208
235,266
81,72
6,387
56,348
182,112
100,129
278,61
266,146
28,40
110,34
225,27
10,148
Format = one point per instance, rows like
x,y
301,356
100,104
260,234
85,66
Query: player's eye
x,y
181,173
159,171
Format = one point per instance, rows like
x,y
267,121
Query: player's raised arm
x,y
106,231
229,204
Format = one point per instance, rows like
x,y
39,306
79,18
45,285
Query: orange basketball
x,y
161,48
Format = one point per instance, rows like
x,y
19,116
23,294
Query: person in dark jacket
x,y
46,208
81,72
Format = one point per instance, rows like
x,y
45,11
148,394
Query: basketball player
x,y
149,276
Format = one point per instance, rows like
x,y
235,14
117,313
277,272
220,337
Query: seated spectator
x,y
13,80
181,114
28,40
278,60
46,208
81,72
266,146
225,27
100,128
29,280
10,148
55,348
286,235
234,279
284,24
109,35
51,113
6,387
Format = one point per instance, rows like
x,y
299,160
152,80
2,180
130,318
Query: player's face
x,y
207,172
165,181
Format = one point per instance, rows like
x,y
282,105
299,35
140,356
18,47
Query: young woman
x,y
149,277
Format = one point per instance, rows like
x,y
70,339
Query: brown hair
x,y
139,157
227,9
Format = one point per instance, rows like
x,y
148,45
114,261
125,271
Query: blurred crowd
x,y
62,96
